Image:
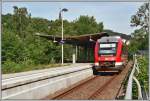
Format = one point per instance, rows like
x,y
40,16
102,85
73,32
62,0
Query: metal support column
x,y
76,52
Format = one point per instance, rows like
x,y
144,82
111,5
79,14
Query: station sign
x,y
62,41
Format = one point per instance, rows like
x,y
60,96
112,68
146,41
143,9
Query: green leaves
x,y
140,36
22,49
21,19
141,18
87,25
142,76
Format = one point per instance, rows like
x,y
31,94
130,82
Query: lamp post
x,y
62,29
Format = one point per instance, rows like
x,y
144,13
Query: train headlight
x,y
96,63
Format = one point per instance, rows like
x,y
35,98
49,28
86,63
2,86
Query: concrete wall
x,y
45,86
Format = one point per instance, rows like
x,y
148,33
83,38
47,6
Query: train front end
x,y
108,54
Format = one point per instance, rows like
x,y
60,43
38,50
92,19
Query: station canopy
x,y
80,40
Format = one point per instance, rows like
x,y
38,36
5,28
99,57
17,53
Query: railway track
x,y
97,87
97,92
75,88
83,86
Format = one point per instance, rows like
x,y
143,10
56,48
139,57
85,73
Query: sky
x,y
115,16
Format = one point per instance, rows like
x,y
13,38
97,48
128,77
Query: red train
x,y
110,54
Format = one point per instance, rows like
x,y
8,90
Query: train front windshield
x,y
107,49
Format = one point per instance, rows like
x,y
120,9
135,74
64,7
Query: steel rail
x,y
95,94
74,88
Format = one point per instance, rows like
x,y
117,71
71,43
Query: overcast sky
x,y
114,15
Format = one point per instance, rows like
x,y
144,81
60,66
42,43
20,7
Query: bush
x,y
9,66
142,76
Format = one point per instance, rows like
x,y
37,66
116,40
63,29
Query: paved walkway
x,y
6,76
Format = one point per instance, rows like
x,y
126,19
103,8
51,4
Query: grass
x,y
11,67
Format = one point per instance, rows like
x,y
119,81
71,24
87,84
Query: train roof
x,y
110,38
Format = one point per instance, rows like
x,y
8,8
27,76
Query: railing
x,y
128,94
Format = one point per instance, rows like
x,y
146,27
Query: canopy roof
x,y
81,40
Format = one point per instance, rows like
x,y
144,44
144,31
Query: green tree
x,y
55,27
7,22
87,25
141,18
21,20
22,49
40,25
140,36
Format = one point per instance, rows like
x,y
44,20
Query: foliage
x,y
141,18
140,36
12,67
86,25
21,19
142,76
21,49
40,25
140,42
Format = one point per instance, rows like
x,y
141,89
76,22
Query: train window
x,y
107,51
107,48
104,45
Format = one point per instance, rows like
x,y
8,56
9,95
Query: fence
x,y
132,77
